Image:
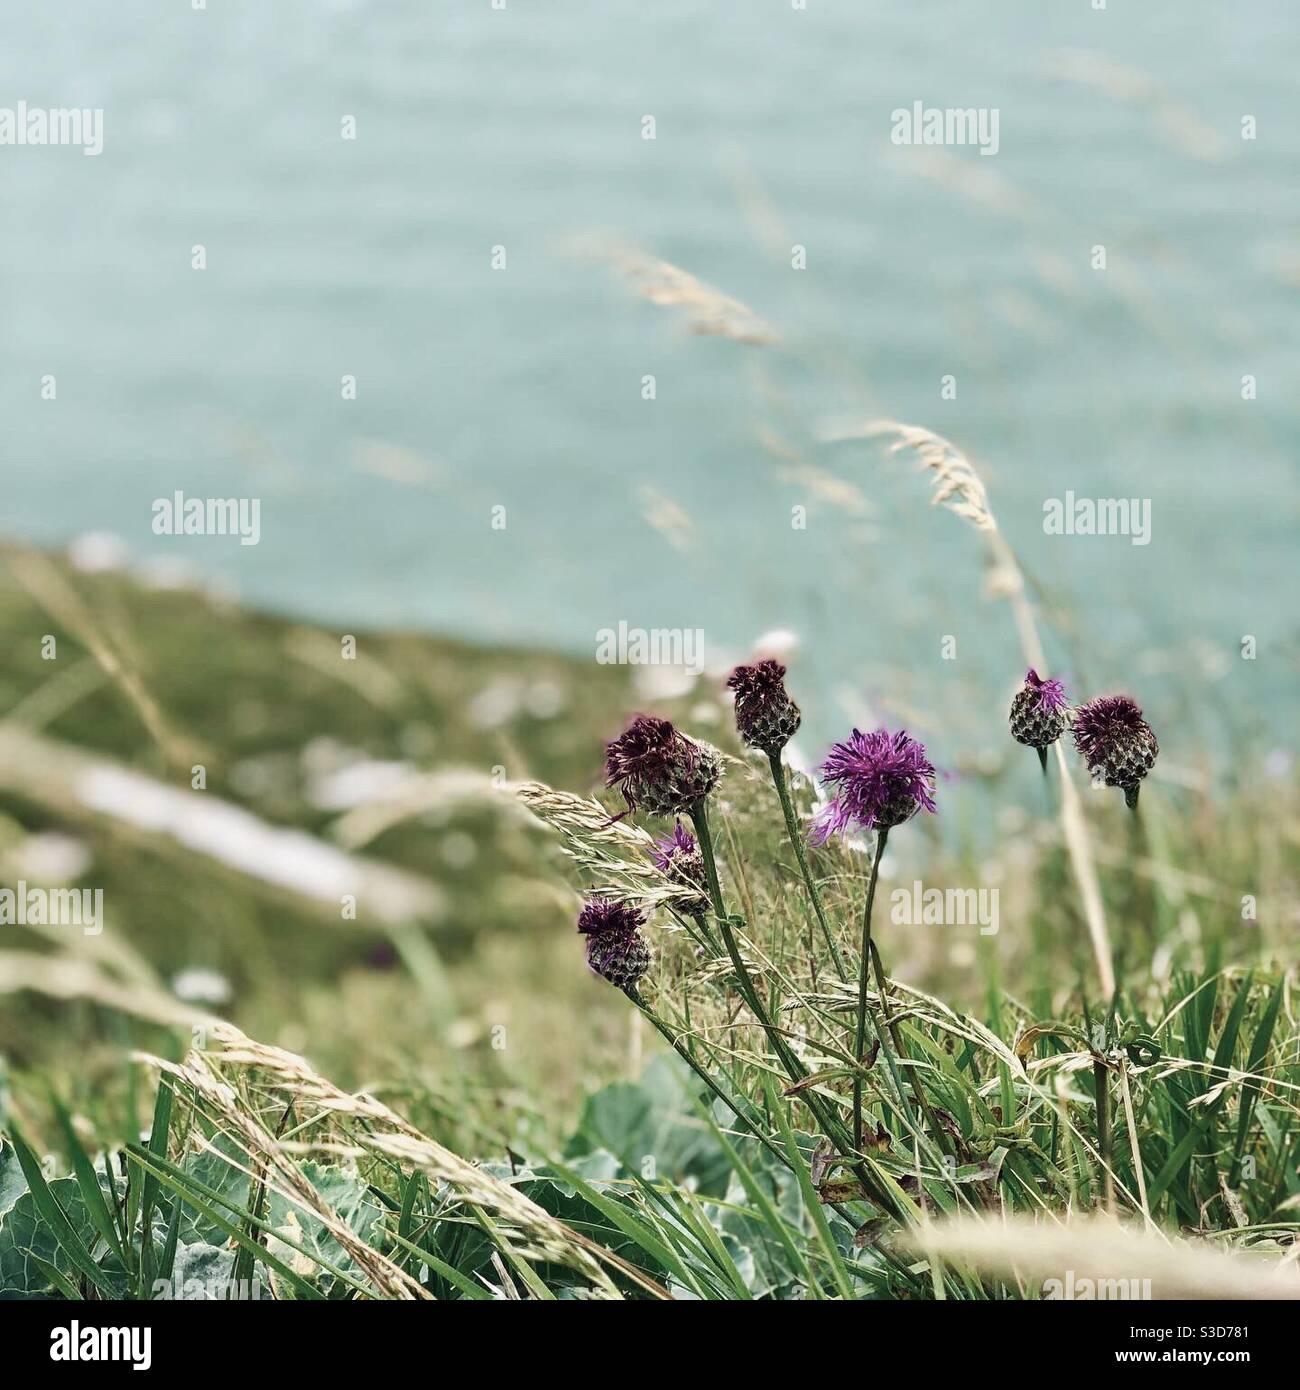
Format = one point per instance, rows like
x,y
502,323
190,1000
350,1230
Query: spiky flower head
x,y
1115,742
1039,712
659,770
766,716
678,858
879,779
616,950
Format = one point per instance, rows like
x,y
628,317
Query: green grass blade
x,y
635,1229
159,1132
754,1191
197,1195
1259,1046
839,1271
92,1194
57,1277
532,1280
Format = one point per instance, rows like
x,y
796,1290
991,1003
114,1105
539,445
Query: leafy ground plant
x,y
259,1179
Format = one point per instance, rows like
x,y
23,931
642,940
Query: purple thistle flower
x,y
766,716
602,914
1050,693
678,858
616,950
880,780
659,770
680,844
1116,742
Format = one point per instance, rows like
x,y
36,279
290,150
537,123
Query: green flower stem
x,y
796,843
699,930
748,990
751,1127
918,1091
1101,1083
700,819
864,968
830,1126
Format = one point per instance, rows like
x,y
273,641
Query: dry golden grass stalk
x,y
59,775
977,183
956,483
611,853
707,310
958,486
667,517
368,676
204,1084
215,1080
65,978
1106,1252
1175,121
452,787
1079,845
48,588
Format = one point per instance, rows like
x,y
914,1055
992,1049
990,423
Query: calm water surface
x,y
522,388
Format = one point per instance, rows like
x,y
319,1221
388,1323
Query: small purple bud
x,y
1039,713
678,858
766,716
1116,742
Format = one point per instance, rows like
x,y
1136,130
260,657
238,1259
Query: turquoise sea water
x,y
522,388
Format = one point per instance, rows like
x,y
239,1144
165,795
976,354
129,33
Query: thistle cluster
x,y
872,781
659,771
1110,734
876,781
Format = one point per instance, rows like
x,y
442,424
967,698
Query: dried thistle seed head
x,y
879,780
1039,712
678,858
766,716
1115,742
659,770
616,950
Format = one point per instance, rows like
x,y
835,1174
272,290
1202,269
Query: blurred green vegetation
x,y
272,711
